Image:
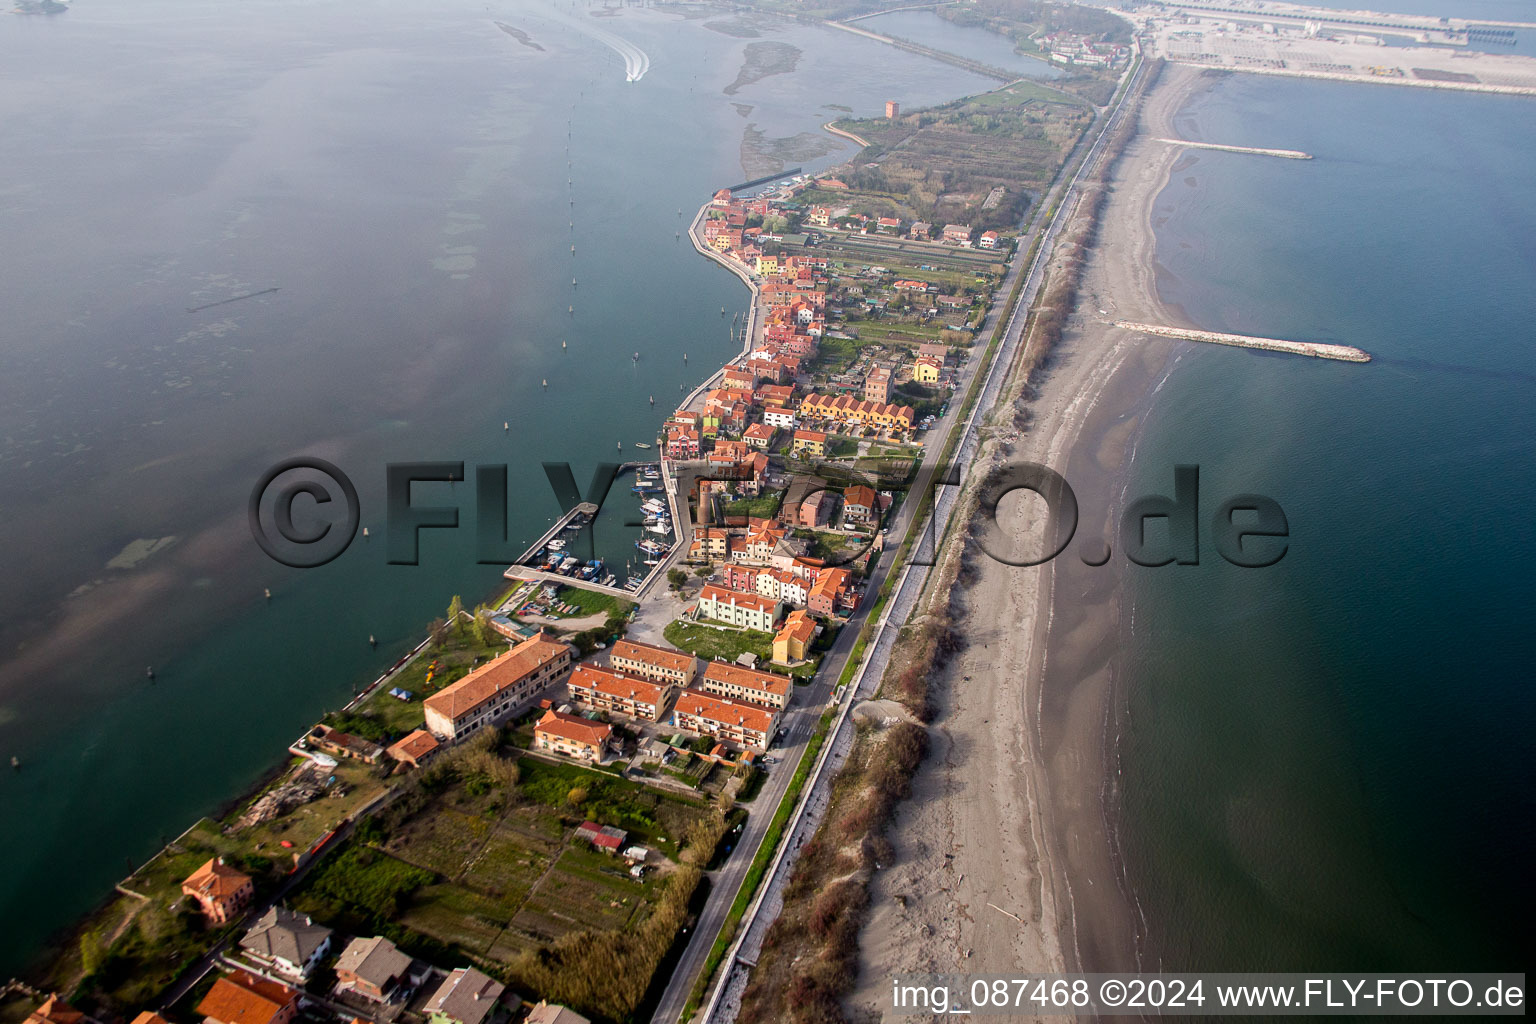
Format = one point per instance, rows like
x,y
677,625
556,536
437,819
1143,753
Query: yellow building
x,y
767,265
792,642
572,736
810,442
926,370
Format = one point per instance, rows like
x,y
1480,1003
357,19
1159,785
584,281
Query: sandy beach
x,y
1006,860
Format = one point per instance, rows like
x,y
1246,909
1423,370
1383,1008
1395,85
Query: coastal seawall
x,y
754,307
831,128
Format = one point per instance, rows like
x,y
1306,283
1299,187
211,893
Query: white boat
x,y
641,444
658,527
556,545
654,506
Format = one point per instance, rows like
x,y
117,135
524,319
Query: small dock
x,y
526,568
585,508
1315,349
1284,154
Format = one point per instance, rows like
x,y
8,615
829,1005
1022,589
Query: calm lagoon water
x,y
411,178
977,44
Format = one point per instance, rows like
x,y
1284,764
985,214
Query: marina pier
x,y
527,566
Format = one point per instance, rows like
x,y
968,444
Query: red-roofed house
x,y
601,690
736,377
724,679
683,443
781,585
658,664
828,592
810,442
415,749
858,503
793,641
245,998
747,725
220,891
571,736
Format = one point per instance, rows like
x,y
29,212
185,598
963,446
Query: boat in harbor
x,y
642,444
654,548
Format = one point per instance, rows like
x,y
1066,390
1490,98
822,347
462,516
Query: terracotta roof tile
x,y
490,679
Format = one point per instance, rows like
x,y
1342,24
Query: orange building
x,y
747,725
220,891
602,690
415,748
498,689
724,679
829,591
571,736
792,642
245,998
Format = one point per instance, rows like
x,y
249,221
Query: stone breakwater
x,y
1318,350
1284,154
